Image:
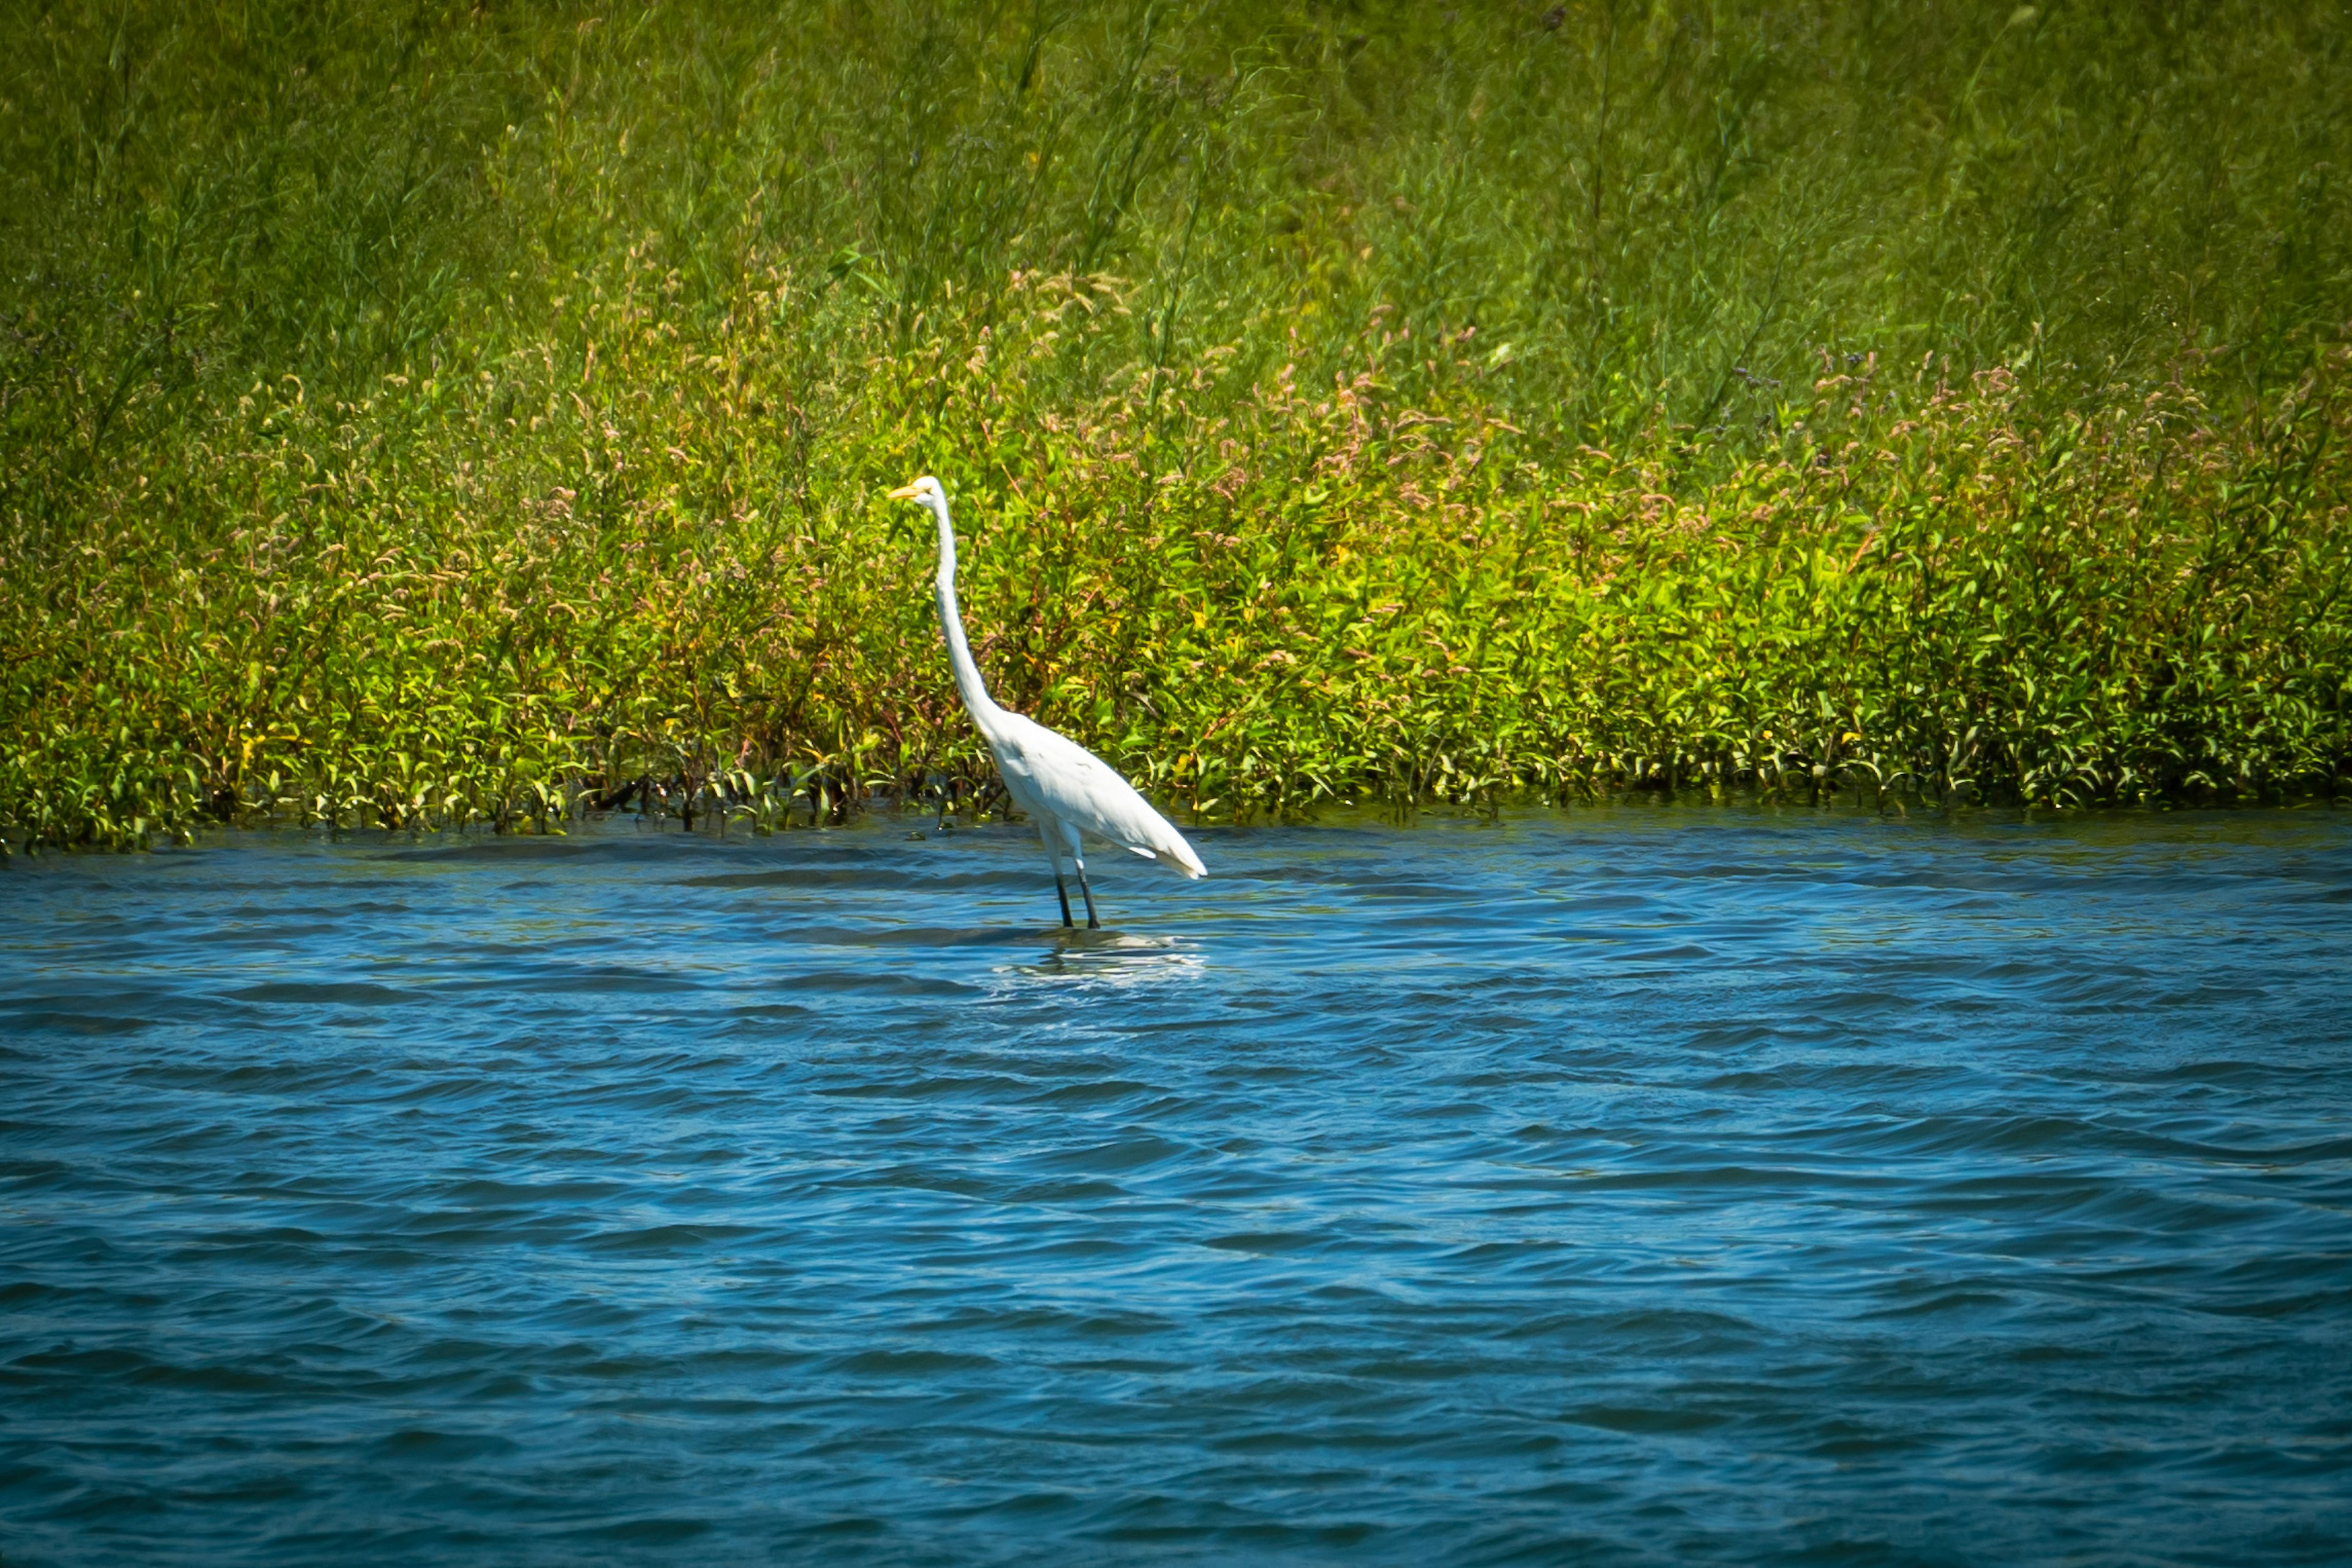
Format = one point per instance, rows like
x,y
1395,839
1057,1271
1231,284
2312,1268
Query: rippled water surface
x,y
1635,1185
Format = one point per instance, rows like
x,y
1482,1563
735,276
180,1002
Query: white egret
x,y
1066,789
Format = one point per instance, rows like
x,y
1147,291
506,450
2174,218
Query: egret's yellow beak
x,y
904,492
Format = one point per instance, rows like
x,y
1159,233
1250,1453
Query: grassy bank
x,y
464,416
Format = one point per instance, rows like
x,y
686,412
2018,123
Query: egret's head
x,y
924,491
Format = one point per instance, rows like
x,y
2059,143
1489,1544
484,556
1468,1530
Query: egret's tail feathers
x,y
1179,857
1176,858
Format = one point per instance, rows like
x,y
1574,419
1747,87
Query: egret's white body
x,y
1065,790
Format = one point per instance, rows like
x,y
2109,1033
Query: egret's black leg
x,y
1089,894
1049,834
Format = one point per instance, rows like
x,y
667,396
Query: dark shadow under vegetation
x,y
461,415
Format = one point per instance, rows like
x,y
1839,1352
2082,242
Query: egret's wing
x,y
1084,791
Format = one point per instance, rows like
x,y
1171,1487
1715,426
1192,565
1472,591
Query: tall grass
x,y
449,414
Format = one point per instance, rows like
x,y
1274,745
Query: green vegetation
x,y
442,414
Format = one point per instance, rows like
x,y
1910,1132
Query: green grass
x,y
433,415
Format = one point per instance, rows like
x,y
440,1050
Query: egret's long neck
x,y
967,674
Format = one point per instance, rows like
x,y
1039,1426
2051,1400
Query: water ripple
x,y
1645,1185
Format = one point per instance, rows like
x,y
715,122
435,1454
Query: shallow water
x,y
1646,1185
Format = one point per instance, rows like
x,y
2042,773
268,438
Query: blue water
x,y
1634,1185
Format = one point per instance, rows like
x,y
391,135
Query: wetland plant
x,y
464,416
